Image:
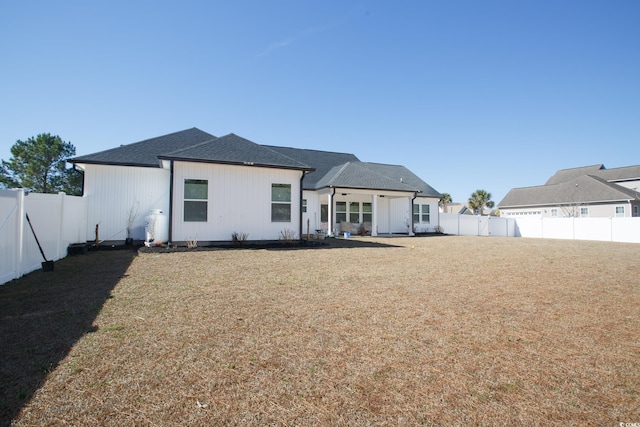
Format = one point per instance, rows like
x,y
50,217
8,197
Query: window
x,y
196,194
341,211
584,212
426,216
421,213
304,205
636,210
354,212
554,212
619,210
324,213
281,202
366,212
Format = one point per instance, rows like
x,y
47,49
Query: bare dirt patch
x,y
417,331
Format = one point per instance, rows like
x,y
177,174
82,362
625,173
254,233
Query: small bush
x,y
239,238
288,237
192,243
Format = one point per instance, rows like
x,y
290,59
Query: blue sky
x,y
467,94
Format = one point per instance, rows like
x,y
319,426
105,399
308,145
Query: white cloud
x,y
275,46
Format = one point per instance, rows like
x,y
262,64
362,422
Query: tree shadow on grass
x,y
43,314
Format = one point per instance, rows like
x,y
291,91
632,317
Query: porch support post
x,y
330,215
374,215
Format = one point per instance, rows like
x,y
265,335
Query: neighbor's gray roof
x,y
583,189
233,149
564,175
375,176
616,174
627,173
321,161
145,153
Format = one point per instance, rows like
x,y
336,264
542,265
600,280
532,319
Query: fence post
x,y
19,232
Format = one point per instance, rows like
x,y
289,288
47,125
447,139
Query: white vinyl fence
x,y
604,229
624,229
58,220
474,225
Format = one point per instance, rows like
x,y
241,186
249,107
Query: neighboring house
x,y
211,187
464,209
455,208
589,191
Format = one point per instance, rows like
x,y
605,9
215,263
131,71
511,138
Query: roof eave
x,y
351,187
95,162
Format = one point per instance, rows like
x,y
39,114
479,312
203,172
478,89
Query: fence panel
x,y
625,230
449,223
57,220
9,224
504,227
474,225
592,228
604,229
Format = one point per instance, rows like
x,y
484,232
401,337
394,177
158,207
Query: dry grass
x,y
430,331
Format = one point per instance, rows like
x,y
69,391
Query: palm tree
x,y
479,199
444,201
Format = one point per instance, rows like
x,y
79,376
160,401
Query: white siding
x,y
112,191
633,185
423,226
401,214
239,200
313,212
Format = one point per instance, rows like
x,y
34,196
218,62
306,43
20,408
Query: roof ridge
x,y
308,149
600,167
190,146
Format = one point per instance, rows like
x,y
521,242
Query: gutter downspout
x,y
330,213
300,209
170,202
415,196
438,210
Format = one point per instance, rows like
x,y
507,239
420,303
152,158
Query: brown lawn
x,y
391,331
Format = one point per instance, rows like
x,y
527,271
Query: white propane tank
x,y
156,227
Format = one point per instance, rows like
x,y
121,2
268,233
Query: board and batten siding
x,y
113,191
239,200
313,212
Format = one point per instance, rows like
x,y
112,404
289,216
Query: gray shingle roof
x,y
564,175
346,170
583,189
234,149
324,168
628,173
363,175
145,153
616,174
321,161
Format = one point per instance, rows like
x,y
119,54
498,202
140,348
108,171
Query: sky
x,y
467,94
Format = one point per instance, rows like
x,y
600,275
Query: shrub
x,y
239,238
288,237
192,243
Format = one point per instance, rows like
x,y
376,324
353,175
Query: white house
x,y
211,187
588,191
